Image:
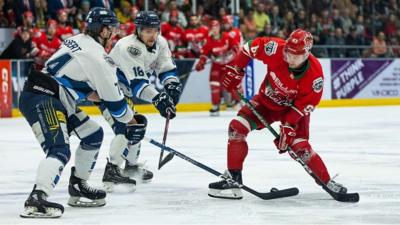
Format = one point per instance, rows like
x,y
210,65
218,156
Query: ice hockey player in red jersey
x,y
221,48
291,89
195,37
173,32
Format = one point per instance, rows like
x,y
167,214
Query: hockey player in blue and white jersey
x,y
138,56
78,69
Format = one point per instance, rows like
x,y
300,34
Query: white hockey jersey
x,y
136,63
82,66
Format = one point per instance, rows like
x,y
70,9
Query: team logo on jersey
x,y
318,84
109,60
270,48
134,52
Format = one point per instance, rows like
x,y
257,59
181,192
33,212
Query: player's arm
x,y
101,74
167,72
235,70
204,52
132,68
308,98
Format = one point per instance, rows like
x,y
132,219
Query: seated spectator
x,y
82,12
391,26
20,7
173,7
21,47
130,25
64,30
336,40
108,4
124,11
260,17
174,34
276,20
54,7
354,38
379,48
249,27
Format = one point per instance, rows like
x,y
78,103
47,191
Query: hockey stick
x,y
161,162
342,197
274,193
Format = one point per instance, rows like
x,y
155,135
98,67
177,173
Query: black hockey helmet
x,y
99,17
147,19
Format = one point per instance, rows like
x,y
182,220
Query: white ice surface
x,y
362,144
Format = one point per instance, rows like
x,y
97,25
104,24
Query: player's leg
x,y
215,87
238,130
91,136
119,151
46,116
303,149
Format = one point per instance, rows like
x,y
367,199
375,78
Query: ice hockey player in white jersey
x,y
138,56
49,99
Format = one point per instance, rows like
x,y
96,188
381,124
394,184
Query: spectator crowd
x,y
360,28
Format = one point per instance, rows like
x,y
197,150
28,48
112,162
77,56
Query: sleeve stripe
x,y
297,110
138,88
163,76
119,113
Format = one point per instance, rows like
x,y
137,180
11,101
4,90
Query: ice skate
x,y
138,171
36,206
227,188
79,188
214,111
336,187
112,176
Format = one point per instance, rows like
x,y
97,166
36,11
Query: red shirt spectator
x,y
64,30
174,34
195,36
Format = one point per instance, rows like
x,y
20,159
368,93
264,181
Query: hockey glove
x,y
135,132
174,89
286,138
232,77
165,105
202,62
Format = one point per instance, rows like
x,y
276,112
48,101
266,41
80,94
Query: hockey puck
x,y
273,189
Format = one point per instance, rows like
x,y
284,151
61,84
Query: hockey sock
x,y
48,174
85,160
118,149
133,154
314,162
237,145
215,92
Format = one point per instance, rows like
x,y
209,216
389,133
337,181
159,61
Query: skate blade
x,y
78,202
214,114
138,177
234,193
31,212
110,187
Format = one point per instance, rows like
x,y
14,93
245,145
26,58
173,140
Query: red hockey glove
x,y
202,62
232,77
286,138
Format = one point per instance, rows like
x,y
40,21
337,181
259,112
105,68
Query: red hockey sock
x,y
314,162
237,145
237,152
215,93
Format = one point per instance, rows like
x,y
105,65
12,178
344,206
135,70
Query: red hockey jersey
x,y
195,39
221,51
175,37
281,89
